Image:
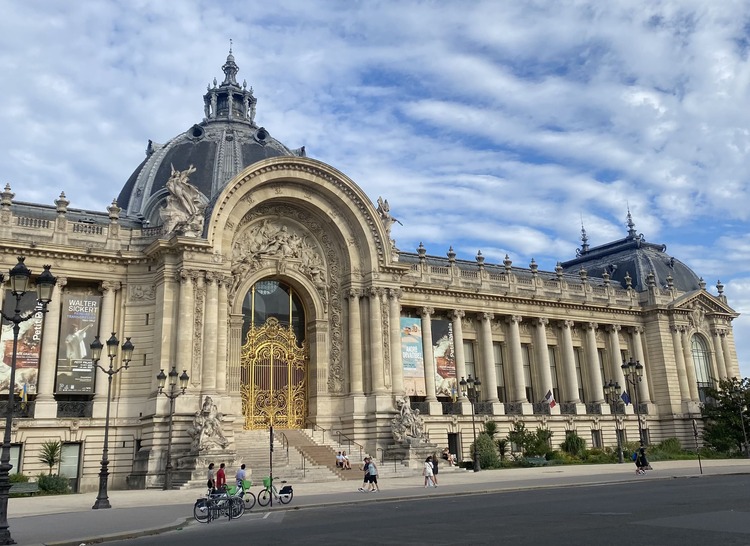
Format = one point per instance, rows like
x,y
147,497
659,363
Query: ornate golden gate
x,y
274,377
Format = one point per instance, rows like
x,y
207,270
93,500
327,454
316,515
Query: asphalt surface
x,y
69,519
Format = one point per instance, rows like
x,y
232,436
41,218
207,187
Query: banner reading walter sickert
x,y
445,360
78,326
412,356
29,345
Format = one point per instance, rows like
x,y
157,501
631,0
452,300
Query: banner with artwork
x,y
412,356
445,360
29,345
78,326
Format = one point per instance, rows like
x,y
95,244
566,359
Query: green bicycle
x,y
269,492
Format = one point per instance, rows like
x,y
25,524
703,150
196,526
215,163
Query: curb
x,y
124,535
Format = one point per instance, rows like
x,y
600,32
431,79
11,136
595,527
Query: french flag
x,y
550,399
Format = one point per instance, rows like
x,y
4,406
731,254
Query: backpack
x,y
635,456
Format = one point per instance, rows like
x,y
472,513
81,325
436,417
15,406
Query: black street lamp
x,y
633,372
19,284
471,388
172,395
739,396
612,392
102,500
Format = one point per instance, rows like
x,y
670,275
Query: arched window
x,y
702,364
268,298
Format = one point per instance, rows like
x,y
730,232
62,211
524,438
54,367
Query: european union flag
x,y
625,397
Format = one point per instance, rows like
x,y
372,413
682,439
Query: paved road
x,y
683,511
69,520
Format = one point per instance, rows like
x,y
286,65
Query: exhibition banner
x,y
445,360
78,326
412,356
29,346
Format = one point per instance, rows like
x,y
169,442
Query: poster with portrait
x,y
78,326
445,360
29,346
412,356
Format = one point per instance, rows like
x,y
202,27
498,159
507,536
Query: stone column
x,y
643,390
720,363
221,339
45,405
689,364
679,358
376,341
210,332
185,320
489,380
595,375
397,365
429,357
731,370
542,354
107,327
615,360
458,342
518,381
355,343
570,393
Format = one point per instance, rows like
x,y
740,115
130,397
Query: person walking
x,y
366,481
221,477
427,472
241,476
211,477
373,472
641,462
435,469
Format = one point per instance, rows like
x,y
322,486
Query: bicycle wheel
x,y
237,507
200,511
249,500
264,497
286,497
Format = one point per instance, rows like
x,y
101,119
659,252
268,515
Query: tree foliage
x,y
530,443
724,414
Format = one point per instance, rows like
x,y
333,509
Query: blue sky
x,y
492,125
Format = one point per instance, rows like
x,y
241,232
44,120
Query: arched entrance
x,y
275,357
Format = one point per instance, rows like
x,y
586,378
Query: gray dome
x,y
636,258
219,147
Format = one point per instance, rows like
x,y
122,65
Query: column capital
x,y
353,293
458,314
514,319
106,286
425,312
183,275
720,332
212,277
486,317
395,293
637,330
375,292
61,282
613,328
591,325
567,324
541,322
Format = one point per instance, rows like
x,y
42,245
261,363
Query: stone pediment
x,y
702,302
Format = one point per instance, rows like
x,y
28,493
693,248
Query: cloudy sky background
x,y
496,125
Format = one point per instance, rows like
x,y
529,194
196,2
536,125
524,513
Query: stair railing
x,y
281,437
315,427
349,443
395,460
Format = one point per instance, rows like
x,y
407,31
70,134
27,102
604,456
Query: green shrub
x,y
490,428
487,452
671,446
18,478
503,445
51,453
54,484
599,456
573,444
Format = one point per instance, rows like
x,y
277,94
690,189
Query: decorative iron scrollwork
x,y
77,408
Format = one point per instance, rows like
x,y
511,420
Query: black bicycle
x,y
218,504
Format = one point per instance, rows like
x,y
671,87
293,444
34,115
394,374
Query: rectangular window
x,y
527,375
469,358
553,370
596,438
70,461
497,352
602,360
15,458
578,352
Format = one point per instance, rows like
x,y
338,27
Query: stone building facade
x,y
273,281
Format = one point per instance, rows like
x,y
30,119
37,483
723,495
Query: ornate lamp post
x,y
102,500
633,372
470,388
172,395
19,284
612,391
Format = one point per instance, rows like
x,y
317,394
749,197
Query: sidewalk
x,y
69,519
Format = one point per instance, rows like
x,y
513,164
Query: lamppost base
x,y
101,504
477,468
5,537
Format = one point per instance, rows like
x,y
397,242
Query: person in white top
x,y
427,473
